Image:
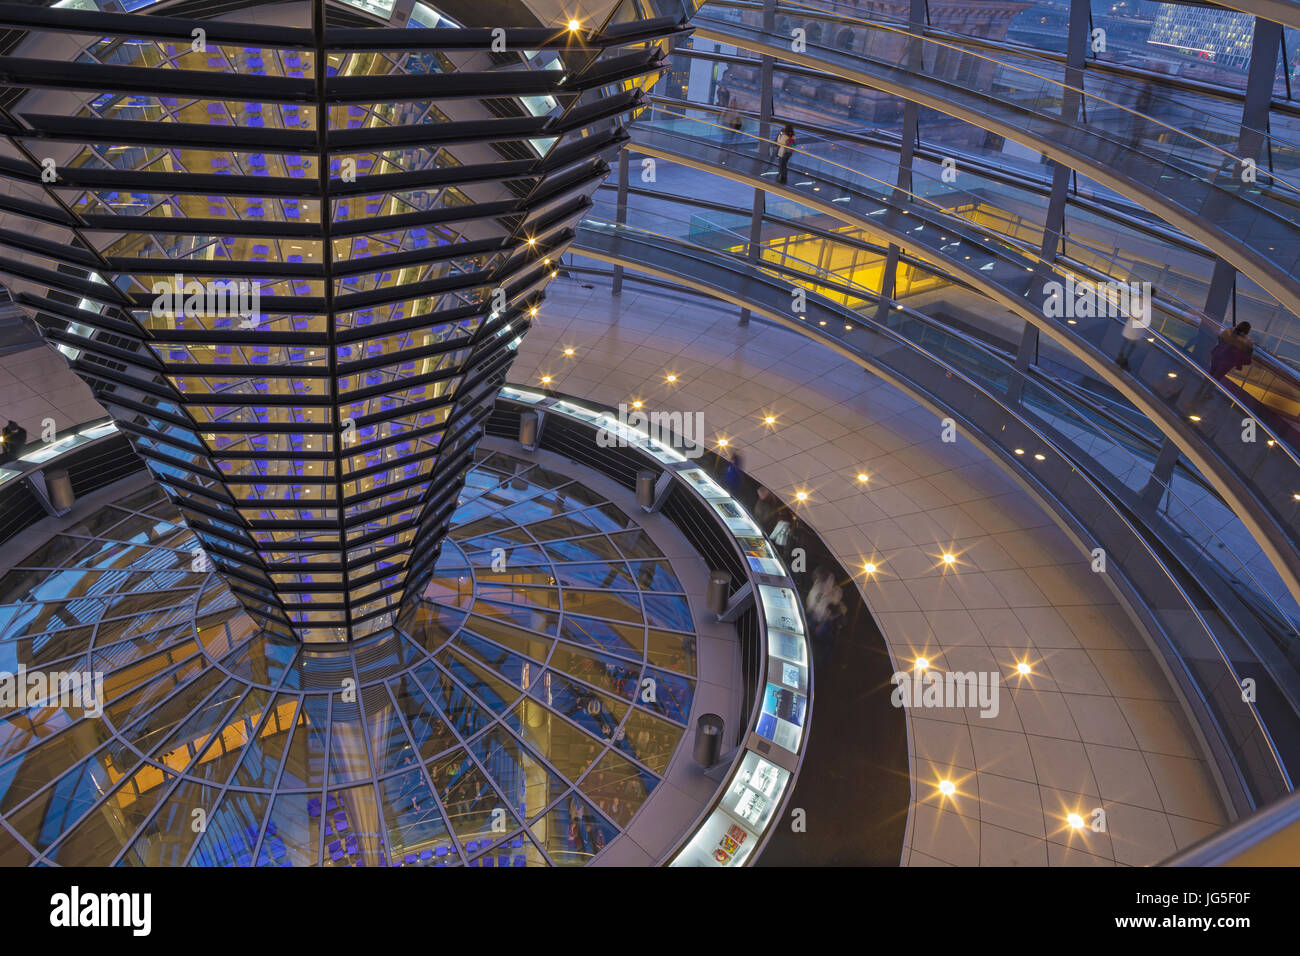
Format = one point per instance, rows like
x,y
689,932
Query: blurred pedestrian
x,y
1134,332
764,508
731,477
825,603
1232,352
784,147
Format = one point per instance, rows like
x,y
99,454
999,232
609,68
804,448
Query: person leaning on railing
x,y
1233,351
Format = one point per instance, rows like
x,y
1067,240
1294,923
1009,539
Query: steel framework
x,y
293,261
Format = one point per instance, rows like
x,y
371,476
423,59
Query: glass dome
x,y
520,715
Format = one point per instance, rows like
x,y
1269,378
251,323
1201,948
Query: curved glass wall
x,y
1210,114
1240,621
1096,420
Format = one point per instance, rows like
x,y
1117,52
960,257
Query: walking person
x,y
1133,334
1233,351
764,509
731,477
825,604
784,144
796,553
731,123
787,537
735,123
781,532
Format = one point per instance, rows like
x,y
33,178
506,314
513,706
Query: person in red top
x,y
784,144
1233,351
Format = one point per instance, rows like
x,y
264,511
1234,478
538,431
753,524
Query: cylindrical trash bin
x,y
59,487
528,429
708,740
719,586
645,488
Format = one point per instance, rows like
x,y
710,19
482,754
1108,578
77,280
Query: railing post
x,y
766,107
1077,36
767,66
1254,119
918,19
1162,472
620,214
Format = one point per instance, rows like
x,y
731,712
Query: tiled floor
x,y
36,385
1095,724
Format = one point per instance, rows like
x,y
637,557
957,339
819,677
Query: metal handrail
x,y
1268,837
838,282
1002,64
1157,338
1180,308
712,258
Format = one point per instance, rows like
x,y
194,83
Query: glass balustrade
x,y
1125,452
1212,647
1245,200
1242,436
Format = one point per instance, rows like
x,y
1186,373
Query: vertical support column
x,y
917,18
1264,51
1054,225
1076,51
620,213
888,283
766,69
1161,472
755,237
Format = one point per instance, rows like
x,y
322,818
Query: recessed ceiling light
x,y
801,495
769,420
546,379
869,568
568,352
574,25
638,403
672,378
862,477
946,788
1075,821
949,558
1022,668
922,663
